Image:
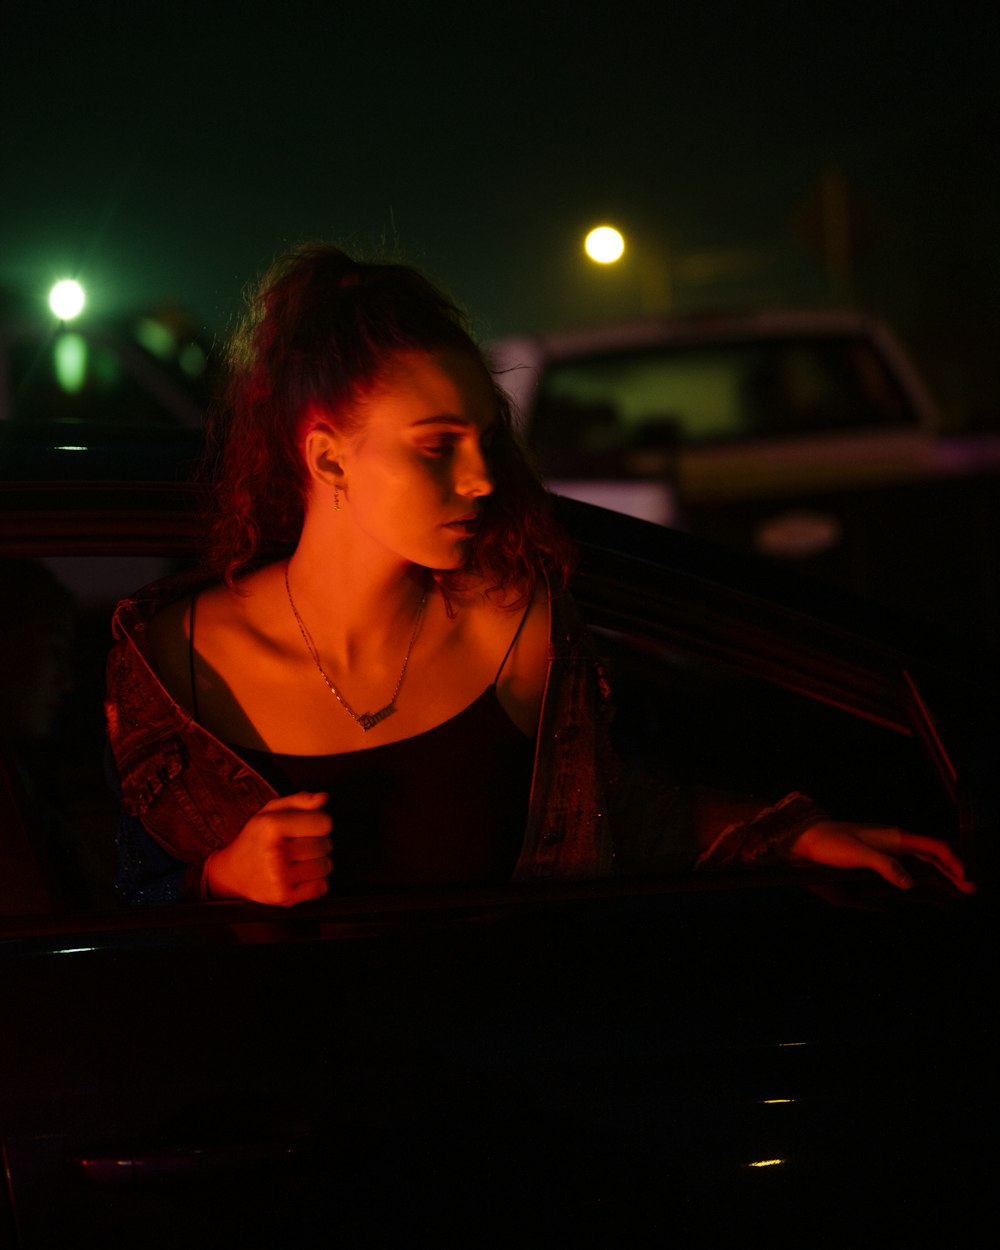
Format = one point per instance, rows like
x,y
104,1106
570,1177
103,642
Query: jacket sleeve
x,y
654,826
183,794
661,828
147,873
592,815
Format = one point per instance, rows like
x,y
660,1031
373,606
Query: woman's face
x,y
416,470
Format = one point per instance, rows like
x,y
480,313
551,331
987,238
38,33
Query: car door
x,y
693,1054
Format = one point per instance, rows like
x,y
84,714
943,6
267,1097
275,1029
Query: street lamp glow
x,y
66,299
605,245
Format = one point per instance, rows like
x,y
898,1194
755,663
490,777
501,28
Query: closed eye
x,y
443,443
440,447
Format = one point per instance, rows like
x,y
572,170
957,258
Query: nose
x,y
476,479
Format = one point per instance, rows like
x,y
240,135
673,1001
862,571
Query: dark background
x,y
164,152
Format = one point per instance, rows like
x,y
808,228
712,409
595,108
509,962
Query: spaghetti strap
x,y
194,688
513,643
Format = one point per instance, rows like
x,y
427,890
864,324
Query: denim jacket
x,y
185,794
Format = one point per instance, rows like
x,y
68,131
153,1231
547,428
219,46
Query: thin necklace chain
x,y
367,720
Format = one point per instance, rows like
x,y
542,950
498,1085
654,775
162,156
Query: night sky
x,y
165,152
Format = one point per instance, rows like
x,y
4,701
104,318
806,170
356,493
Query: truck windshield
x,y
597,406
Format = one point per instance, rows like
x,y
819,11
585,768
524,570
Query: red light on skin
x,y
464,526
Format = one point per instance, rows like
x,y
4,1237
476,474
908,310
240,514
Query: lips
x,y
465,525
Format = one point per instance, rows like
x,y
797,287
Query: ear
x,y
323,451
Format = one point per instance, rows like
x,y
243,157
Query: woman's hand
x,y
280,856
844,844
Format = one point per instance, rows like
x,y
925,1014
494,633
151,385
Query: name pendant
x,y
368,720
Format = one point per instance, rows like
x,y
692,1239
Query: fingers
x,y
306,844
310,869
842,845
847,845
306,800
282,855
307,890
299,849
931,851
298,815
891,869
873,844
940,855
300,892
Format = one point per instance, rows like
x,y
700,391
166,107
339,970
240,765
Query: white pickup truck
x,y
807,436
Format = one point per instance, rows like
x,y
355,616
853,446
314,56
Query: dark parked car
x,y
793,1055
805,436
149,369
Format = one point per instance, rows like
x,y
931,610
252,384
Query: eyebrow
x,y
452,419
444,418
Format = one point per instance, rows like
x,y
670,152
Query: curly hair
x,y
320,329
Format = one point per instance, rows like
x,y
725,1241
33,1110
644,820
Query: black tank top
x,y
445,807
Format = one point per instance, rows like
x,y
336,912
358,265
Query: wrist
x,y
213,884
205,887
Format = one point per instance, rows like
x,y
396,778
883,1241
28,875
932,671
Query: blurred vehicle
x,y
680,1056
805,436
150,369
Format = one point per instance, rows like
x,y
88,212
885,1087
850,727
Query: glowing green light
x,y
70,360
605,245
192,360
66,299
155,337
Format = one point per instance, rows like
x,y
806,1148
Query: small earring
x,y
336,499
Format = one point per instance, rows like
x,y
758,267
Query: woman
x,y
407,697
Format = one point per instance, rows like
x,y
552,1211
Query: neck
x,y
355,611
374,716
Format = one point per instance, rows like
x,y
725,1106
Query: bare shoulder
x,y
494,617
207,623
519,637
532,625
